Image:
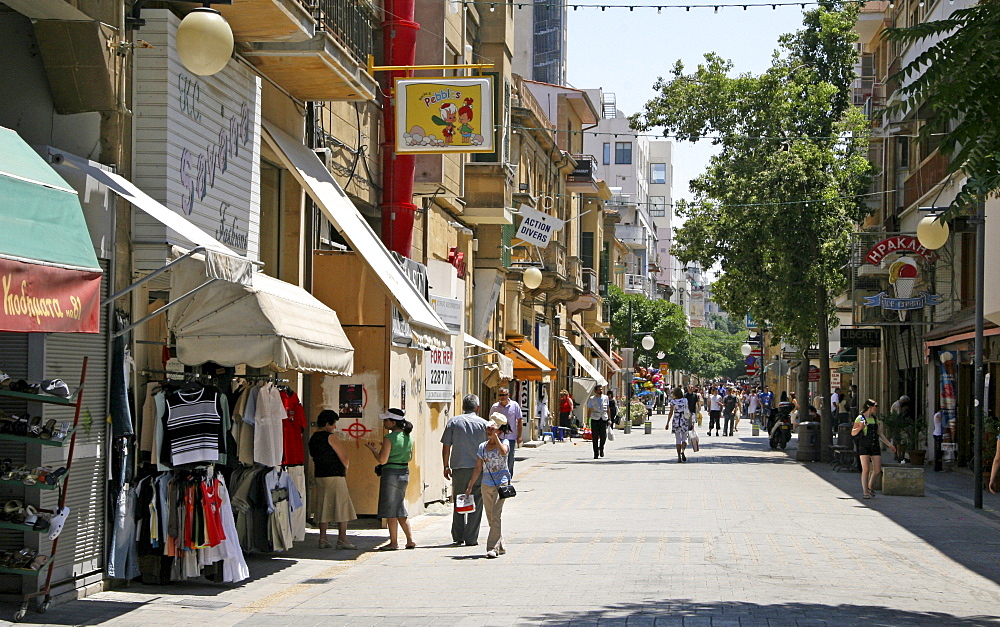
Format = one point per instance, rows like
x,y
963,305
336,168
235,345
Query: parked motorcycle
x,y
779,425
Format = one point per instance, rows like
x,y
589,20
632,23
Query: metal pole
x,y
978,408
628,377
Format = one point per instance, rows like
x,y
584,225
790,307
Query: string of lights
x,y
492,5
843,138
757,204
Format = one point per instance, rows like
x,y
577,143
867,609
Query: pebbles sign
x,y
437,115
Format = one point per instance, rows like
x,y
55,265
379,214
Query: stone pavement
x,y
738,535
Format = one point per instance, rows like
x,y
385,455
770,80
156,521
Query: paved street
x,y
739,535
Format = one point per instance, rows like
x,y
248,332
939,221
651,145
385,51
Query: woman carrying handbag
x,y
491,461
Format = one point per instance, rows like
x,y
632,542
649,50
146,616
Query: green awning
x,y
846,355
40,215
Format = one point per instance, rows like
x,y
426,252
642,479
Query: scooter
x,y
779,425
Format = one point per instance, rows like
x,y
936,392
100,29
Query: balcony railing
x,y
590,285
929,174
637,284
586,170
350,22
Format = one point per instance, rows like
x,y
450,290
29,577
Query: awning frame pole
x,y
152,275
165,307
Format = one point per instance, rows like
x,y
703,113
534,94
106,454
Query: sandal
x,y
48,429
35,426
411,545
10,508
38,562
388,547
52,478
57,523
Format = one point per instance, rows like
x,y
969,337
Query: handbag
x,y
505,490
378,470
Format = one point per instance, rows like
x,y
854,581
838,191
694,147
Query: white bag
x,y
611,434
465,503
693,441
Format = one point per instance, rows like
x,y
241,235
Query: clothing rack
x,y
260,377
186,376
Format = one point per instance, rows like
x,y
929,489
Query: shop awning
x,y
529,363
845,355
597,347
50,274
267,323
310,172
505,364
578,357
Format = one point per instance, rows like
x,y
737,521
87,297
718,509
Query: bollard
x,y
628,426
649,427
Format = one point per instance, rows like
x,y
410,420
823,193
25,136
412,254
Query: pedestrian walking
x,y
459,446
597,413
753,405
515,419
729,404
565,408
995,472
739,410
938,435
679,422
331,498
869,449
714,411
491,467
612,410
694,399
394,457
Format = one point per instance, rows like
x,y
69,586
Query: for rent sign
x,y
439,372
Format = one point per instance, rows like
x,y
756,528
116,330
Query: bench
x,y
844,458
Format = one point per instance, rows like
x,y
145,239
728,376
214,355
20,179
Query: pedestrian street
x,y
738,535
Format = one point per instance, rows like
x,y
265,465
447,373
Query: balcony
x,y
632,235
489,189
269,20
584,177
927,175
638,284
329,65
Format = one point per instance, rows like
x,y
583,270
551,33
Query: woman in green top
x,y
394,457
867,434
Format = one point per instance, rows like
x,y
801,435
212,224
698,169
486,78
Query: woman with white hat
x,y
492,463
394,456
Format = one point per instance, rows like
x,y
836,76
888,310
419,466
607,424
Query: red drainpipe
x,y
399,34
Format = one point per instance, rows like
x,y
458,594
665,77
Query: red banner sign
x,y
898,244
43,299
813,374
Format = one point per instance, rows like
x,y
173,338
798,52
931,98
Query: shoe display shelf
x,y
75,401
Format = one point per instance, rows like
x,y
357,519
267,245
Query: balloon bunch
x,y
646,381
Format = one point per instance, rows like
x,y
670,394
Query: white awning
x,y
310,172
268,323
578,357
612,366
505,363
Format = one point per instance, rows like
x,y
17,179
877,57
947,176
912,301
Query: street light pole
x,y
629,376
978,403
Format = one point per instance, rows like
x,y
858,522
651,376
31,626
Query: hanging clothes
x,y
268,440
293,426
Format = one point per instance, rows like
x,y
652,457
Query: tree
x,y
776,205
957,81
708,353
727,324
664,319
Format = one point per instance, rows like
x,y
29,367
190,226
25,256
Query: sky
x,y
624,52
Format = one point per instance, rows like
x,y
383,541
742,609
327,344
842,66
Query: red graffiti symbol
x,y
357,431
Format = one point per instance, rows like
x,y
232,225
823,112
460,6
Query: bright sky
x,y
624,52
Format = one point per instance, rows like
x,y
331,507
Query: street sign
x,y
861,338
664,367
751,371
847,369
813,374
812,353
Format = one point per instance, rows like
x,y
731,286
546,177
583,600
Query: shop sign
x,y
45,299
948,393
898,244
847,369
197,142
402,334
449,310
664,368
542,336
860,338
835,379
444,115
813,374
439,372
537,228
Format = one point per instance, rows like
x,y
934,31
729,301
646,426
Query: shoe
x,y
602,453
411,545
38,562
48,429
457,543
491,554
346,546
324,544
57,523
596,455
384,547
867,496
684,457
471,544
871,493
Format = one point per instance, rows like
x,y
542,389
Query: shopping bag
x,y
693,441
701,415
465,504
611,434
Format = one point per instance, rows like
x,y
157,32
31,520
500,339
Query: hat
x,y
393,414
55,387
498,420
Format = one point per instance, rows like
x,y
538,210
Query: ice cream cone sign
x,y
903,275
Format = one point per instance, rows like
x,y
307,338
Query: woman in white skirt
x,y
332,503
679,421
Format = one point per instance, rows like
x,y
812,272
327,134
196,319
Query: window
x,y
657,206
658,173
623,152
607,153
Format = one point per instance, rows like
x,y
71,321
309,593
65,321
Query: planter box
x,y
902,480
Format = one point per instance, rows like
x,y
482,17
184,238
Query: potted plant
x,y
637,414
909,432
991,428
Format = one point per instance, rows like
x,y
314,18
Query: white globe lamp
x,y
532,278
648,342
932,233
746,349
204,41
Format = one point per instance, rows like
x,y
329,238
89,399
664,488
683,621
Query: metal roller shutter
x,y
81,546
14,362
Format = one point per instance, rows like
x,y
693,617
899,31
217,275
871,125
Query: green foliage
x,y
907,430
708,353
775,206
637,413
727,324
955,85
665,319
